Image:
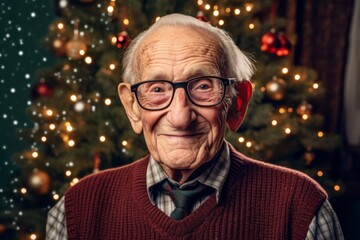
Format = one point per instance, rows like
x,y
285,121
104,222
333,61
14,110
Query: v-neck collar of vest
x,y
163,223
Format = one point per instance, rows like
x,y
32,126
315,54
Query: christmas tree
x,y
80,127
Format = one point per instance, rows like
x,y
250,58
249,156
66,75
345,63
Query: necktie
x,y
184,199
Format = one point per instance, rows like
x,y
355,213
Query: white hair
x,y
236,63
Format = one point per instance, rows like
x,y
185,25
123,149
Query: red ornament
x,y
41,89
122,40
275,43
200,15
269,42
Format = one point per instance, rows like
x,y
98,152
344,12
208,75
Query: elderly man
x,y
185,82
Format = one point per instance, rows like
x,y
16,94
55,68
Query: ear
x,y
128,100
239,105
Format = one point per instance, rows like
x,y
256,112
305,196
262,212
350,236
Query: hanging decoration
x,y
122,39
276,89
76,47
41,89
275,42
39,181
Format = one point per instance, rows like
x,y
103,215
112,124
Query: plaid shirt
x,y
325,224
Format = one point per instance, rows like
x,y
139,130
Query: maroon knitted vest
x,y
260,201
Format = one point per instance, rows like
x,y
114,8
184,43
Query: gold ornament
x,y
276,89
39,181
309,157
75,49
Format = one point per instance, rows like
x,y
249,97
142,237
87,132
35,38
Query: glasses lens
x,y
154,95
206,91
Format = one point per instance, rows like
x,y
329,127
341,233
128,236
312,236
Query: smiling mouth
x,y
179,135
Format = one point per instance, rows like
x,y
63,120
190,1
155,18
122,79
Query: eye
x,y
157,87
202,85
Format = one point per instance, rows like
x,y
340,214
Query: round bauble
x,y
39,181
309,157
75,49
122,40
276,89
270,42
41,89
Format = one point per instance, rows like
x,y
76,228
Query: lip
x,y
180,135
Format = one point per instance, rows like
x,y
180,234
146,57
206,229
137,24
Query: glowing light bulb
x,y
68,173
107,101
114,40
124,143
251,26
304,116
221,22
297,77
228,10
320,173
237,11
207,6
110,9
52,126
315,86
73,98
88,60
35,154
287,130
285,70
82,52
282,110
102,138
248,144
49,112
71,143
216,13
60,26
241,139
337,187
126,21
56,196
112,66
33,236
69,128
43,139
274,122
200,2
249,7
23,190
320,134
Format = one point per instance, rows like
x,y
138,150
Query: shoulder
x,y
109,178
290,179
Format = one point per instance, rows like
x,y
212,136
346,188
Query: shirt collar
x,y
214,176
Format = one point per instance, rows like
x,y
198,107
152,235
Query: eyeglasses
x,y
204,91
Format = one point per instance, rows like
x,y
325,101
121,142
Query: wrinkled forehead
x,y
182,41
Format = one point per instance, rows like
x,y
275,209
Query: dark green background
x,y
24,24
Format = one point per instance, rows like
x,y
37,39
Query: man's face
x,y
182,136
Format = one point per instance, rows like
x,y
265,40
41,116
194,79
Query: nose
x,y
180,113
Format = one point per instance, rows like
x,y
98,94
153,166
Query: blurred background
x,y
60,63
